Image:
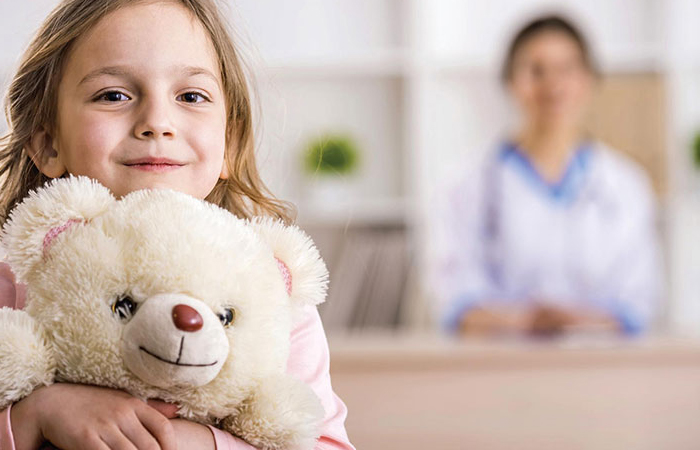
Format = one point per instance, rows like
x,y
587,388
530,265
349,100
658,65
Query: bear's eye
x,y
227,317
124,307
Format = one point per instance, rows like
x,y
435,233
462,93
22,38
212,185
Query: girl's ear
x,y
44,155
224,170
300,264
47,213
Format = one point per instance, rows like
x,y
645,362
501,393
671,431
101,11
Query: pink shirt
x,y
308,360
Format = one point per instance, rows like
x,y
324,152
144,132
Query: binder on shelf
x,y
368,281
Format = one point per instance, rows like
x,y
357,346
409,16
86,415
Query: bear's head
x,y
159,293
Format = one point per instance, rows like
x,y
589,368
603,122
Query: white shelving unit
x,y
416,83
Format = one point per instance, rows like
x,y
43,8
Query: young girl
x,y
138,94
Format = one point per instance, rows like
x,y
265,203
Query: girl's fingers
x,y
159,427
115,440
169,410
140,437
94,443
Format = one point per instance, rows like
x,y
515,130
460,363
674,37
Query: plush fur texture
x,y
102,294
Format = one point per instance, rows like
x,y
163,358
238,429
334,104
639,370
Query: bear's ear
x,y
300,264
46,213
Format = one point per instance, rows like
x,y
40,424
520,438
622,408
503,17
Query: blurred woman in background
x,y
555,231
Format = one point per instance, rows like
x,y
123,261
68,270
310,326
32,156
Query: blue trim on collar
x,y
566,189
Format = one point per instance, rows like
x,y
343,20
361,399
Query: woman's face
x,y
550,81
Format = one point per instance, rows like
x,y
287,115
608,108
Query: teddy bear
x,y
164,296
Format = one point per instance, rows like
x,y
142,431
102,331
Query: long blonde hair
x,y
31,105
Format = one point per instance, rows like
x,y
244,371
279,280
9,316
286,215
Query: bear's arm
x,y
309,361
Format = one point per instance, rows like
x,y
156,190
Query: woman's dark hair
x,y
545,24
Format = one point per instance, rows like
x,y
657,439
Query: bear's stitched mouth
x,y
175,363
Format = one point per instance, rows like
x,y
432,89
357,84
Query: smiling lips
x,y
176,362
154,164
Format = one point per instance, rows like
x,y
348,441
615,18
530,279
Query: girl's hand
x,y
79,417
188,434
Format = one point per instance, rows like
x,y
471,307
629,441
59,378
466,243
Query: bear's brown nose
x,y
186,318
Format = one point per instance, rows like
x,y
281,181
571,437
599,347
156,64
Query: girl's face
x,y
140,104
550,81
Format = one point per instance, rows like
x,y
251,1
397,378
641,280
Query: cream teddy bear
x,y
164,296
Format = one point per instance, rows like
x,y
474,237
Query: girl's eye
x,y
112,96
124,307
227,317
192,97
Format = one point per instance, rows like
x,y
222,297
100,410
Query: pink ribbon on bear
x,y
286,275
54,232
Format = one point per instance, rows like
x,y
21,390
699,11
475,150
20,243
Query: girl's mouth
x,y
154,164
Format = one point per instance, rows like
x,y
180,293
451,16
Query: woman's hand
x,y
77,417
548,320
494,321
539,320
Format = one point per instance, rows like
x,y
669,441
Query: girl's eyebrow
x,y
191,71
122,71
109,70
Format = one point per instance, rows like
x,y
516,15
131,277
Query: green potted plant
x,y
331,155
696,150
330,161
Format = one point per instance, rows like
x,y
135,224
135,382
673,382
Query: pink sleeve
x,y
8,298
225,441
11,295
7,441
309,361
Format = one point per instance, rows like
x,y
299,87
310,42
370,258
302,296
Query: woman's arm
x,y
634,286
463,283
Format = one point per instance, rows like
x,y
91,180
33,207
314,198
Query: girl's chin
x,y
174,185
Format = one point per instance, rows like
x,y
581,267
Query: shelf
x,y
613,59
629,59
400,62
389,63
366,212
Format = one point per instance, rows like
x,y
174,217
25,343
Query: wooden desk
x,y
424,392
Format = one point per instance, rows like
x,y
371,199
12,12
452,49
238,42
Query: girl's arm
x,y
87,417
7,441
309,361
71,414
176,433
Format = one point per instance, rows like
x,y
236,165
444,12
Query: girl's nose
x,y
154,122
186,318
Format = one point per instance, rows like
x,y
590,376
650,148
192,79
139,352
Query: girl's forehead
x,y
149,37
